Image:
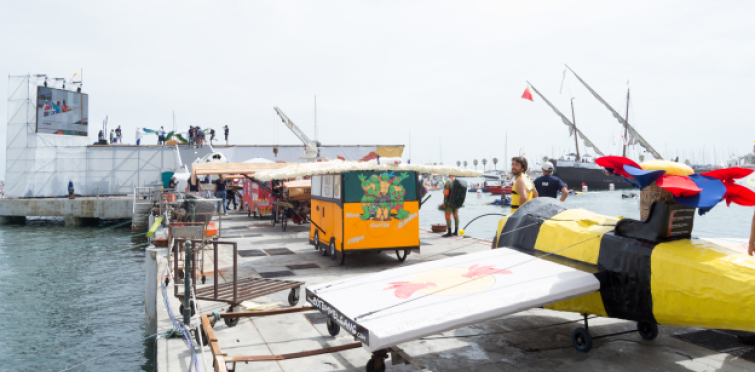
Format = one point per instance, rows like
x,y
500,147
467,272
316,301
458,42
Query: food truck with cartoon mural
x,y
365,211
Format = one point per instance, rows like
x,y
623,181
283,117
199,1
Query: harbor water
x,y
69,295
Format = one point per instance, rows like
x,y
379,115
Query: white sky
x,y
448,72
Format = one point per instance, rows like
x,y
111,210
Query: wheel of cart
x,y
233,292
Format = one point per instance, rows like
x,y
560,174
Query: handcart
x,y
294,203
257,200
233,292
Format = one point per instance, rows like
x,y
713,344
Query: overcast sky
x,y
449,73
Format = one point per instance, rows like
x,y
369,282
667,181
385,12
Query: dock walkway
x,y
539,347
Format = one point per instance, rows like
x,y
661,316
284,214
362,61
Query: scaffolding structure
x,y
42,165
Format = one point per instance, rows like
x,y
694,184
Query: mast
x,y
574,122
572,127
621,120
626,139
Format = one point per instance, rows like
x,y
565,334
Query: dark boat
x,y
574,174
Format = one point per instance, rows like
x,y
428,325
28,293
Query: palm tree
x,y
495,163
435,163
458,163
545,158
484,161
642,158
465,164
687,162
475,163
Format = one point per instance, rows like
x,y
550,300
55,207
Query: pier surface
x,y
523,342
74,211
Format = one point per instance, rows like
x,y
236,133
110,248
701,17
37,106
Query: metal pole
x,y
626,123
187,284
574,121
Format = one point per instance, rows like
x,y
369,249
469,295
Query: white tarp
x,y
394,306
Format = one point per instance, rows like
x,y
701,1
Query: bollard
x,y
187,284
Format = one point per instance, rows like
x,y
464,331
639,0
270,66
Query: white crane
x,y
310,147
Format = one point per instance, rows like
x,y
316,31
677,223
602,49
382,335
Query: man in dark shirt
x,y
226,134
220,193
549,185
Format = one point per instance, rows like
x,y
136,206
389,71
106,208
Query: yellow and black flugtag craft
x,y
650,271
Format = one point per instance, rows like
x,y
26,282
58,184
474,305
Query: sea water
x,y
720,222
71,294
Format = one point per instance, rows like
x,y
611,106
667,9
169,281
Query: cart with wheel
x,y
232,292
371,211
294,203
258,200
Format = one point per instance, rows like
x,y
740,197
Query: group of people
x,y
116,136
524,189
220,191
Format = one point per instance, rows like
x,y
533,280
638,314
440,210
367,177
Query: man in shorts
x,y
450,210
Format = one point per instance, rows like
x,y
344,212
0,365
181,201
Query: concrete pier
x,y
533,340
75,212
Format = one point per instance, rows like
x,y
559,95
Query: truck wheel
x,y
332,250
402,258
316,240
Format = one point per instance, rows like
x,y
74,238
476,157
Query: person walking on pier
x,y
523,189
100,138
212,135
226,135
548,185
118,137
220,193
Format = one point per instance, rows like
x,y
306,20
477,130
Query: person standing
x,y
523,189
212,135
548,185
161,136
200,137
191,135
112,136
450,210
100,138
192,188
220,193
226,135
118,137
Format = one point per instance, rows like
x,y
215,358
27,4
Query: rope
x,y
509,331
164,334
473,279
71,247
74,261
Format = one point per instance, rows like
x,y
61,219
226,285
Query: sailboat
x,y
628,129
579,170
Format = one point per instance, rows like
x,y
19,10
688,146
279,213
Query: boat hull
x,y
577,174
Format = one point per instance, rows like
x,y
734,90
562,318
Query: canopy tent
x,y
332,167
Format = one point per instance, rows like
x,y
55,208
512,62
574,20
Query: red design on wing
x,y
407,289
477,271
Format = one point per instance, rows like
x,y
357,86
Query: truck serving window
x,y
379,186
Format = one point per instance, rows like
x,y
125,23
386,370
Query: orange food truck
x,y
365,211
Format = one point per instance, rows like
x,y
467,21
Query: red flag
x,y
527,94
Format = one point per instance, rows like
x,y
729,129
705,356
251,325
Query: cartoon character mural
x,y
383,197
